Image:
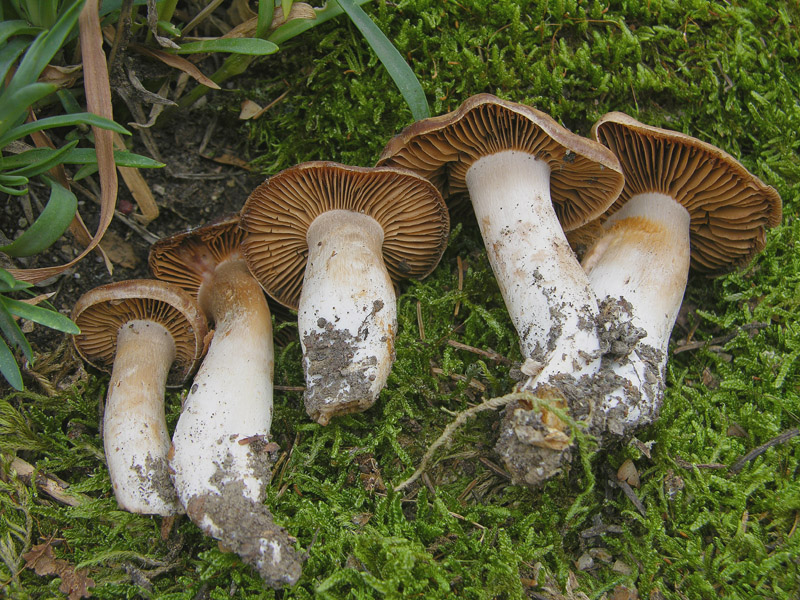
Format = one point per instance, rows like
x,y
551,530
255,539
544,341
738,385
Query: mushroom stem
x,y
347,315
231,398
221,459
642,260
135,434
546,292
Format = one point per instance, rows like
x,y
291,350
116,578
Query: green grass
x,y
728,73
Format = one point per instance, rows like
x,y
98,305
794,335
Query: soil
x,y
190,191
338,388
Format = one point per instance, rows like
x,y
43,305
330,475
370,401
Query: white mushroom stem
x,y
135,433
643,258
546,292
347,315
225,422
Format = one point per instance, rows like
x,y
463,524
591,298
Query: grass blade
x,y
44,316
122,158
45,46
14,106
49,226
266,9
9,54
398,68
85,118
45,163
248,46
297,26
12,28
9,367
12,332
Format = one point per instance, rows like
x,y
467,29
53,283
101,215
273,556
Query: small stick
x,y
447,434
457,377
419,321
756,452
49,485
289,388
632,497
460,283
490,354
495,468
719,340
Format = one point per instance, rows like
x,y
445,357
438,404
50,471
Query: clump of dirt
x,y
335,385
526,442
155,476
244,525
247,528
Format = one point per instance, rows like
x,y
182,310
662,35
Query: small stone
x,y
585,562
621,568
600,554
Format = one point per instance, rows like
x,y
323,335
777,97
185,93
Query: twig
x,y
756,452
458,377
51,486
724,339
490,354
447,434
289,388
420,325
495,468
632,497
685,464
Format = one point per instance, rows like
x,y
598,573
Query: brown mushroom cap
x,y
278,213
186,258
101,312
584,179
730,208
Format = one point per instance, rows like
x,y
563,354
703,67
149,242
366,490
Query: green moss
x,y
727,72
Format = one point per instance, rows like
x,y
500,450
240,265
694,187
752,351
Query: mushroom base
x,y
246,527
347,315
135,434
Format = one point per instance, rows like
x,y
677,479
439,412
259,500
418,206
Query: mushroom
x,y
528,179
221,451
327,239
154,335
685,202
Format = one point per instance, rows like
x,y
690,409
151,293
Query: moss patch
x,y
727,72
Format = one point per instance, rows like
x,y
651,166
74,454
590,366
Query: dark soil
x,y
190,191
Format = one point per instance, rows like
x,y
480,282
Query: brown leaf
x,y
41,559
177,62
76,584
63,77
119,251
627,472
138,188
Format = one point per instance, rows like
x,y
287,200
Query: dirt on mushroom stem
x,y
335,386
246,526
533,443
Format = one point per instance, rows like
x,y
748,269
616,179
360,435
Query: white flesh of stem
x,y
545,289
230,401
135,434
347,315
643,258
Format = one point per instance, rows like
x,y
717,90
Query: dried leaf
x,y
300,10
627,472
43,562
249,108
40,559
63,77
228,159
119,251
138,188
76,584
177,62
